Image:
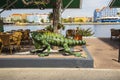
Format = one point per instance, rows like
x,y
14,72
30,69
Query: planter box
x,y
73,62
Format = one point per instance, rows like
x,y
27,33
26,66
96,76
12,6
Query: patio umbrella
x,y
116,4
24,4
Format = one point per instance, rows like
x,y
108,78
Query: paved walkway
x,y
58,74
104,52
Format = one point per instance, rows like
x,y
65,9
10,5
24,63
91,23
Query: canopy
x,y
18,4
115,4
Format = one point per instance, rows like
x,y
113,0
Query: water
x,y
98,30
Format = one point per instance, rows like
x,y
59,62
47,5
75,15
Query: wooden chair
x,y
26,37
70,33
16,39
5,42
115,33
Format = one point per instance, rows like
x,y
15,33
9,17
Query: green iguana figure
x,y
46,39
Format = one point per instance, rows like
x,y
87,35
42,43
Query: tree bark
x,y
56,15
1,25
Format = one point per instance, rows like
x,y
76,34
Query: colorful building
x,y
16,17
108,12
76,19
104,14
97,14
31,18
37,18
80,19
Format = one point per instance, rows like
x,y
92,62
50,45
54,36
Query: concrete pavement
x,y
104,51
58,74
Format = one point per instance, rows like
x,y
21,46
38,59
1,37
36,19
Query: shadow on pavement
x,y
113,43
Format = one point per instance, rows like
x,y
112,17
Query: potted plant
x,y
82,32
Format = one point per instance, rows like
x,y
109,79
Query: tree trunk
x,y
56,15
1,25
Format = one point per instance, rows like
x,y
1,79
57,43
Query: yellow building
x,y
16,17
80,19
24,16
19,16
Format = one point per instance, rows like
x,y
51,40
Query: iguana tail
x,y
72,42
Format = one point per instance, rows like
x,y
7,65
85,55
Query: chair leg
x,y
0,50
111,38
18,48
10,50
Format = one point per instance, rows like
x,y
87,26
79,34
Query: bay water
x,y
99,30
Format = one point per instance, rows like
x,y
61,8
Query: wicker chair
x,y
5,42
26,37
16,39
70,33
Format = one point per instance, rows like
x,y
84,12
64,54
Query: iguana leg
x,y
67,49
47,47
38,50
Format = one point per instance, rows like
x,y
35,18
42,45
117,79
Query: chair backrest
x,y
25,35
115,32
16,37
5,38
70,33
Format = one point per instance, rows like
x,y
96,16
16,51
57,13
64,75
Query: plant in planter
x,y
82,32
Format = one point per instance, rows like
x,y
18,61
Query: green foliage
x,y
85,32
42,20
50,27
50,17
60,26
78,54
43,54
24,20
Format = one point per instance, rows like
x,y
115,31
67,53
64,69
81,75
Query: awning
x,y
18,4
115,4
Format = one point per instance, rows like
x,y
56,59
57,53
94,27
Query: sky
x,y
87,9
